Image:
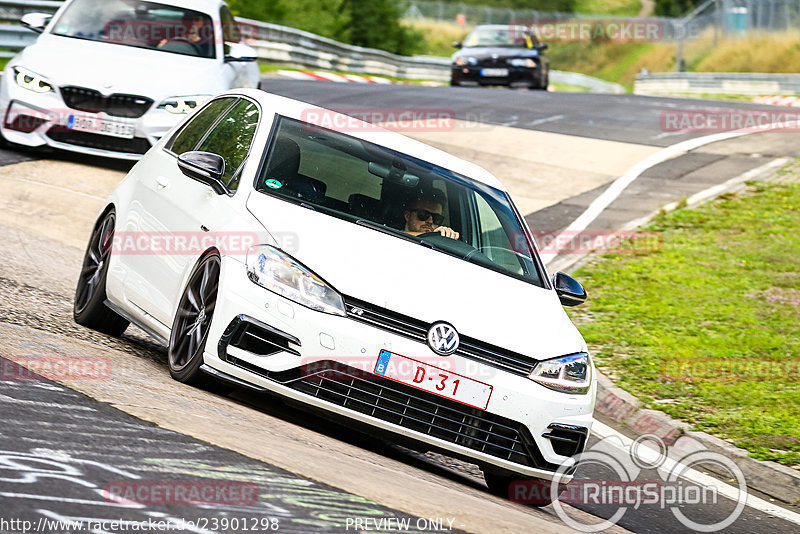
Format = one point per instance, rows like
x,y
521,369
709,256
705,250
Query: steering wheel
x,y
179,39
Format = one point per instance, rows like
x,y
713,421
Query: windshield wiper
x,y
384,230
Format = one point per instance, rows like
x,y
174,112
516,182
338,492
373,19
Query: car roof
x,y
299,110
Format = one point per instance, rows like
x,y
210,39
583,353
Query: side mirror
x,y
457,44
543,46
239,52
36,22
570,291
206,168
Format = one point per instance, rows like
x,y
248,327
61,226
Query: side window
x,y
230,28
231,138
494,239
191,134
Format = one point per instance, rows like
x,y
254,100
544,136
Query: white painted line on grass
x,y
651,455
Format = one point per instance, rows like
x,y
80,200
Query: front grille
x,y
492,62
567,440
418,331
411,408
116,105
25,123
137,145
255,337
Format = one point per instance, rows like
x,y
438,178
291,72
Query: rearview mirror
x,y
36,22
240,52
206,168
570,291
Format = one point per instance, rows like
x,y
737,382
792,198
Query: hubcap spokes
x,y
194,314
96,257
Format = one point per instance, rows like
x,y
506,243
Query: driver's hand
x,y
447,232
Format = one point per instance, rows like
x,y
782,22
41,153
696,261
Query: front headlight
x,y
278,272
522,62
568,374
181,105
31,81
461,61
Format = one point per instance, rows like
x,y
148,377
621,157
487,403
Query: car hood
x,y
416,281
482,52
70,61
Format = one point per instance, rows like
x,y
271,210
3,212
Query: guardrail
x,y
723,83
298,48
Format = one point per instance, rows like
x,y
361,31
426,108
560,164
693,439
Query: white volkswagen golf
x,y
110,78
356,271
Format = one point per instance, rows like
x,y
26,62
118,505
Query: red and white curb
x,y
331,77
793,101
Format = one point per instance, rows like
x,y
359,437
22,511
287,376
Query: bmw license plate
x,y
99,125
494,73
433,379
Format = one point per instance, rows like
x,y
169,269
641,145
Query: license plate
x,y
98,125
433,379
494,72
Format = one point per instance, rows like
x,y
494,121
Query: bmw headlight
x,y
461,61
568,374
31,81
278,272
522,62
181,105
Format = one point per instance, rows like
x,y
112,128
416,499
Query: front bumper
x,y
38,120
516,75
325,362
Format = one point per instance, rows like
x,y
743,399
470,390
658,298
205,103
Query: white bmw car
x,y
356,271
110,78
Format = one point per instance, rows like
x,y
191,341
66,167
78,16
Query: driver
x,y
424,215
191,30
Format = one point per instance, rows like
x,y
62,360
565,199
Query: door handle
x,y
162,182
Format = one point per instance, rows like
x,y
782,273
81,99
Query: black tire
x,y
518,488
454,82
543,84
88,308
192,323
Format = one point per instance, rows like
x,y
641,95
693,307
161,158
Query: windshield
x,y
509,36
139,24
397,194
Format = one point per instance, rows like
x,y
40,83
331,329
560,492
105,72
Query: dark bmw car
x,y
500,55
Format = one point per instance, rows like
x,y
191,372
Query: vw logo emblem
x,y
443,339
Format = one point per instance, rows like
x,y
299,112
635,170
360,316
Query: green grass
x,y
708,324
629,8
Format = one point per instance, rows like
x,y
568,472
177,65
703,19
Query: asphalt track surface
x,y
51,463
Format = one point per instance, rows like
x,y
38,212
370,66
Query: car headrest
x,y
285,160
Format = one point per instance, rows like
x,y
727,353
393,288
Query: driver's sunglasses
x,y
424,215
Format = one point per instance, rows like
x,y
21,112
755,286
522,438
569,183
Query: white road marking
x,y
649,454
707,194
620,184
537,122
